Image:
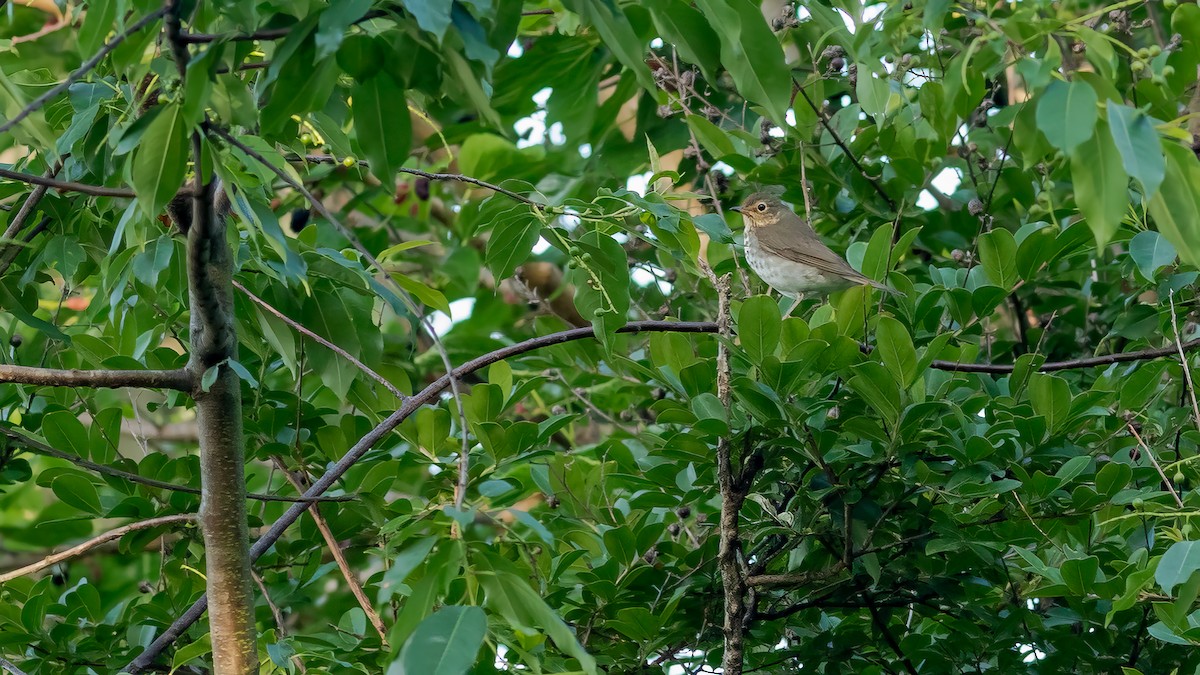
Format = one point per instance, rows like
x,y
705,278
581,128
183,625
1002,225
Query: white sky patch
x,y
532,130
639,183
585,150
947,182
644,277
845,100
723,168
557,137
515,50
569,220
459,310
541,246
1032,654
790,117
656,43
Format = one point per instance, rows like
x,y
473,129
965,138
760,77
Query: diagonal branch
x,y
88,545
841,144
321,341
427,395
40,448
339,557
179,379
82,70
28,207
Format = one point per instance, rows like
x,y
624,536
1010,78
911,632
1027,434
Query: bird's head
x,y
761,209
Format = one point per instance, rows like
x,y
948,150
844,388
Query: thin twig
x,y
457,177
295,325
17,223
338,556
82,70
66,185
40,448
179,379
86,546
1150,453
264,34
1187,371
841,144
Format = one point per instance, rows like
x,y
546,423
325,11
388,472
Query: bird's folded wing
x,y
808,250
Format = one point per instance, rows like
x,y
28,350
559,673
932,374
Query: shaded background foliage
x,y
1025,173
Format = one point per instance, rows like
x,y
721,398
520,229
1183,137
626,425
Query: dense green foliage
x,y
925,520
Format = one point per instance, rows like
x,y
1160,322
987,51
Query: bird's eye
x,y
762,206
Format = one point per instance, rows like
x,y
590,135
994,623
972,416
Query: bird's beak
x,y
736,208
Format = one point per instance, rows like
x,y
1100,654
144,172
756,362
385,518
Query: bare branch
x,y
66,185
86,546
410,406
179,379
339,557
457,177
82,70
320,340
40,448
1183,362
11,249
264,34
793,579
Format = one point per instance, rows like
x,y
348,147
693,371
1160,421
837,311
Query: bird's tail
x,y
875,284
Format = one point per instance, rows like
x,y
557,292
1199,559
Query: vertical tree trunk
x,y
219,418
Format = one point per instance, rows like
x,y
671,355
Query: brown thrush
x,y
786,253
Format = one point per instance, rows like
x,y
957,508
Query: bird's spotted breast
x,y
789,277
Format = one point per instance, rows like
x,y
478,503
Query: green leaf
x,y
875,94
433,16
161,160
1101,185
1051,398
77,491
896,350
381,125
1079,574
614,28
1066,113
445,643
305,83
682,26
1137,141
210,376
752,54
511,242
758,327
873,382
1176,207
1177,564
524,609
1151,251
332,25
998,254
715,227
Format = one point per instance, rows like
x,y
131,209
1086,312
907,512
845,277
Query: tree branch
x,y
794,578
841,144
40,448
17,223
427,395
8,667
65,185
264,34
213,336
320,340
179,379
457,177
86,546
82,70
339,557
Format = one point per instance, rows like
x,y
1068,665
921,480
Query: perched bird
x,y
786,253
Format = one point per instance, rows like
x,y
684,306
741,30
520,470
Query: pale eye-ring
x,y
762,206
